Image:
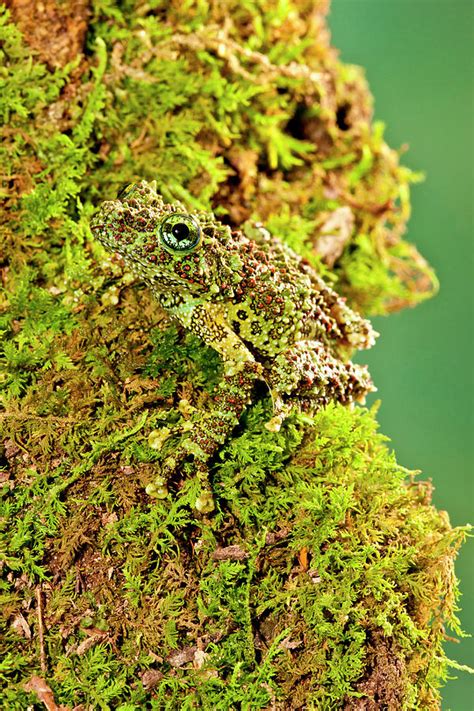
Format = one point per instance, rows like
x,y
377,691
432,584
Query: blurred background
x,y
418,57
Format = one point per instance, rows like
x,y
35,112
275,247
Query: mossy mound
x,y
324,579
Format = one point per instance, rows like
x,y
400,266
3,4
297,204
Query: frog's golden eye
x,y
179,232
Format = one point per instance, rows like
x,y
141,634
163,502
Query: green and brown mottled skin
x,y
256,302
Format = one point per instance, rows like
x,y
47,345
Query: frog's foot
x,y
158,488
205,502
281,410
275,423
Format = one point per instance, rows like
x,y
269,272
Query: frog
x,y
246,294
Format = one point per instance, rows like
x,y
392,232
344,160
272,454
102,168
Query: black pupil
x,y
180,231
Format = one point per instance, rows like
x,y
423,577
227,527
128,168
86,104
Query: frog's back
x,y
274,298
282,300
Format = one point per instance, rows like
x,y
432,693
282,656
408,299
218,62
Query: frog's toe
x,y
205,502
275,423
169,467
157,489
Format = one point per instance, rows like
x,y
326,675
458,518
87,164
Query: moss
x,y
323,575
325,578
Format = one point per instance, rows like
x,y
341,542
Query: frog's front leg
x,y
209,430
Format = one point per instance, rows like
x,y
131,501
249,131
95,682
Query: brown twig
x,y
235,552
230,553
39,608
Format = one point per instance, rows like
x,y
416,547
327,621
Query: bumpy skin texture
x,y
252,299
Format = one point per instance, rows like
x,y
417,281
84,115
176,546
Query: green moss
x,y
325,574
360,554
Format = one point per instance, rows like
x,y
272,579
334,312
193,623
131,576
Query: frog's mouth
x,y
96,229
101,225
101,232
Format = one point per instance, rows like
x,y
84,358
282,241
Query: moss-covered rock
x,y
325,577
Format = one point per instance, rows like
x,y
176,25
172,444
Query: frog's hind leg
x,y
229,402
307,374
205,432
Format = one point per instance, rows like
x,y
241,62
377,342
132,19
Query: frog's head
x,y
172,249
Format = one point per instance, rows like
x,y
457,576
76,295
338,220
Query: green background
x,y
418,59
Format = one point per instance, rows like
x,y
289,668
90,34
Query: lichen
x,y
325,577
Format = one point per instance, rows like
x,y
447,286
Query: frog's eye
x,y
179,232
125,191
